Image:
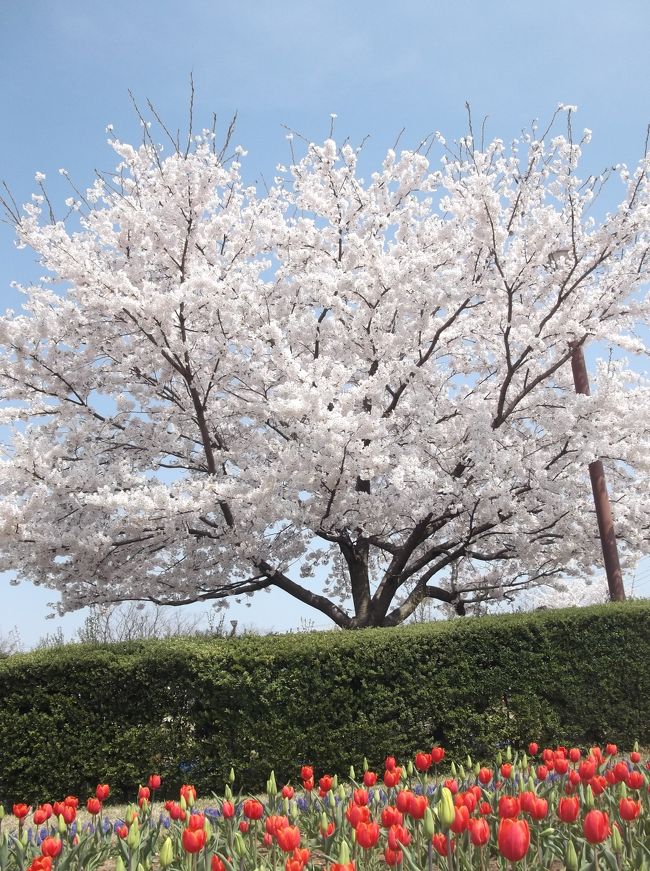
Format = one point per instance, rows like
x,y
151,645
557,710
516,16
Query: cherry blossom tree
x,y
340,388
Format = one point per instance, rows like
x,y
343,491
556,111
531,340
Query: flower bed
x,y
554,808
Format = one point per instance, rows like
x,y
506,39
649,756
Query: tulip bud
x,y
293,809
231,776
227,793
133,838
331,799
285,807
468,762
622,790
477,768
446,810
531,784
429,825
183,803
335,781
238,845
140,867
207,828
344,853
508,753
524,762
589,797
119,864
365,765
341,792
461,771
61,826
2,812
453,769
23,838
404,774
499,758
271,786
636,747
617,841
571,857
324,823
166,855
353,776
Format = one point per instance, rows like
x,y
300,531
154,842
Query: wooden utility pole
x,y
601,497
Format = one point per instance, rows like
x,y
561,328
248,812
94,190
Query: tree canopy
x,y
339,387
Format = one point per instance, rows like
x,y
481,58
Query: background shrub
x,y
190,708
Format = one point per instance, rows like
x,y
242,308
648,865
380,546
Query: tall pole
x,y
599,489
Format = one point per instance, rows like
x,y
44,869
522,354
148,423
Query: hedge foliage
x,y
73,716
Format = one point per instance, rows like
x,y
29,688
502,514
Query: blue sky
x,y
67,67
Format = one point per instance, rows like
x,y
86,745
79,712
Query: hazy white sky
x,y
66,68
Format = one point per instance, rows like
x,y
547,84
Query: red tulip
x,y
244,826
306,772
196,822
228,810
533,749
347,866
513,838
193,841
452,785
392,778
216,864
41,863
274,823
360,796
21,810
369,778
629,809
469,800
509,806
460,822
598,784
635,757
390,763
367,835
390,816
393,857
51,847
587,770
253,809
485,776
121,831
325,783
308,785
329,830
357,813
71,801
42,814
57,808
568,809
154,781
539,808
288,838
403,800
93,806
479,831
596,826
542,772
297,860
635,780
506,770
69,814
423,761
574,754
485,808
144,793
611,749
417,806
561,765
102,791
437,755
398,837
288,792
439,842
175,811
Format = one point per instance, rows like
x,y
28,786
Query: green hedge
x,y
74,716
